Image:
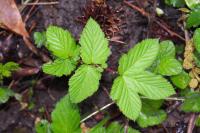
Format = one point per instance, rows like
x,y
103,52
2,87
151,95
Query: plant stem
x,y
168,98
96,112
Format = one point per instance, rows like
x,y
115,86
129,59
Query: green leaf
x,y
151,85
59,67
7,69
197,121
5,94
43,127
192,3
181,80
175,3
65,117
167,49
94,45
40,39
126,98
140,57
99,127
151,118
60,42
193,19
196,39
192,102
84,83
169,66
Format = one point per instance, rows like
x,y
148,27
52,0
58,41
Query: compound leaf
x,y
60,42
192,102
94,45
84,83
65,117
126,98
140,57
59,67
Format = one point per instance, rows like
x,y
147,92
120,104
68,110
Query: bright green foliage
x,y
166,64
65,117
175,3
192,3
84,83
43,127
134,79
193,19
94,45
59,67
40,39
196,39
192,102
5,94
139,58
150,114
181,80
60,42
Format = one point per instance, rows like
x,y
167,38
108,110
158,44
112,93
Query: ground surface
x,y
41,91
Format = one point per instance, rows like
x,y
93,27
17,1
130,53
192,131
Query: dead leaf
x,y
10,18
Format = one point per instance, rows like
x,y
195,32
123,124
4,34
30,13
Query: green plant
x,y
139,73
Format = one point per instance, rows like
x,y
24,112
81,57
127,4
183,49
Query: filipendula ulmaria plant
x,y
139,74
93,51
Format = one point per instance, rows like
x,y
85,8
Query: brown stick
x,y
191,123
157,21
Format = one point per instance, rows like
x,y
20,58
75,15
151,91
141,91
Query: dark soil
x,y
41,92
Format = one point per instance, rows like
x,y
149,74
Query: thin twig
x,y
42,3
191,123
96,112
168,98
157,21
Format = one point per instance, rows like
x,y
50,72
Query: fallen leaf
x,y
10,18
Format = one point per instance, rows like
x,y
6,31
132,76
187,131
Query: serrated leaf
x,y
140,57
59,67
151,118
94,45
84,83
196,39
65,117
151,85
181,80
193,19
191,102
5,94
43,127
169,66
167,49
126,98
192,3
60,42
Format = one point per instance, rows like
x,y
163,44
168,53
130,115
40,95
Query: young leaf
x,y
43,127
181,80
60,42
40,39
65,117
169,66
7,69
94,45
192,102
196,39
140,57
5,94
126,98
151,85
59,67
193,19
167,49
84,83
151,118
